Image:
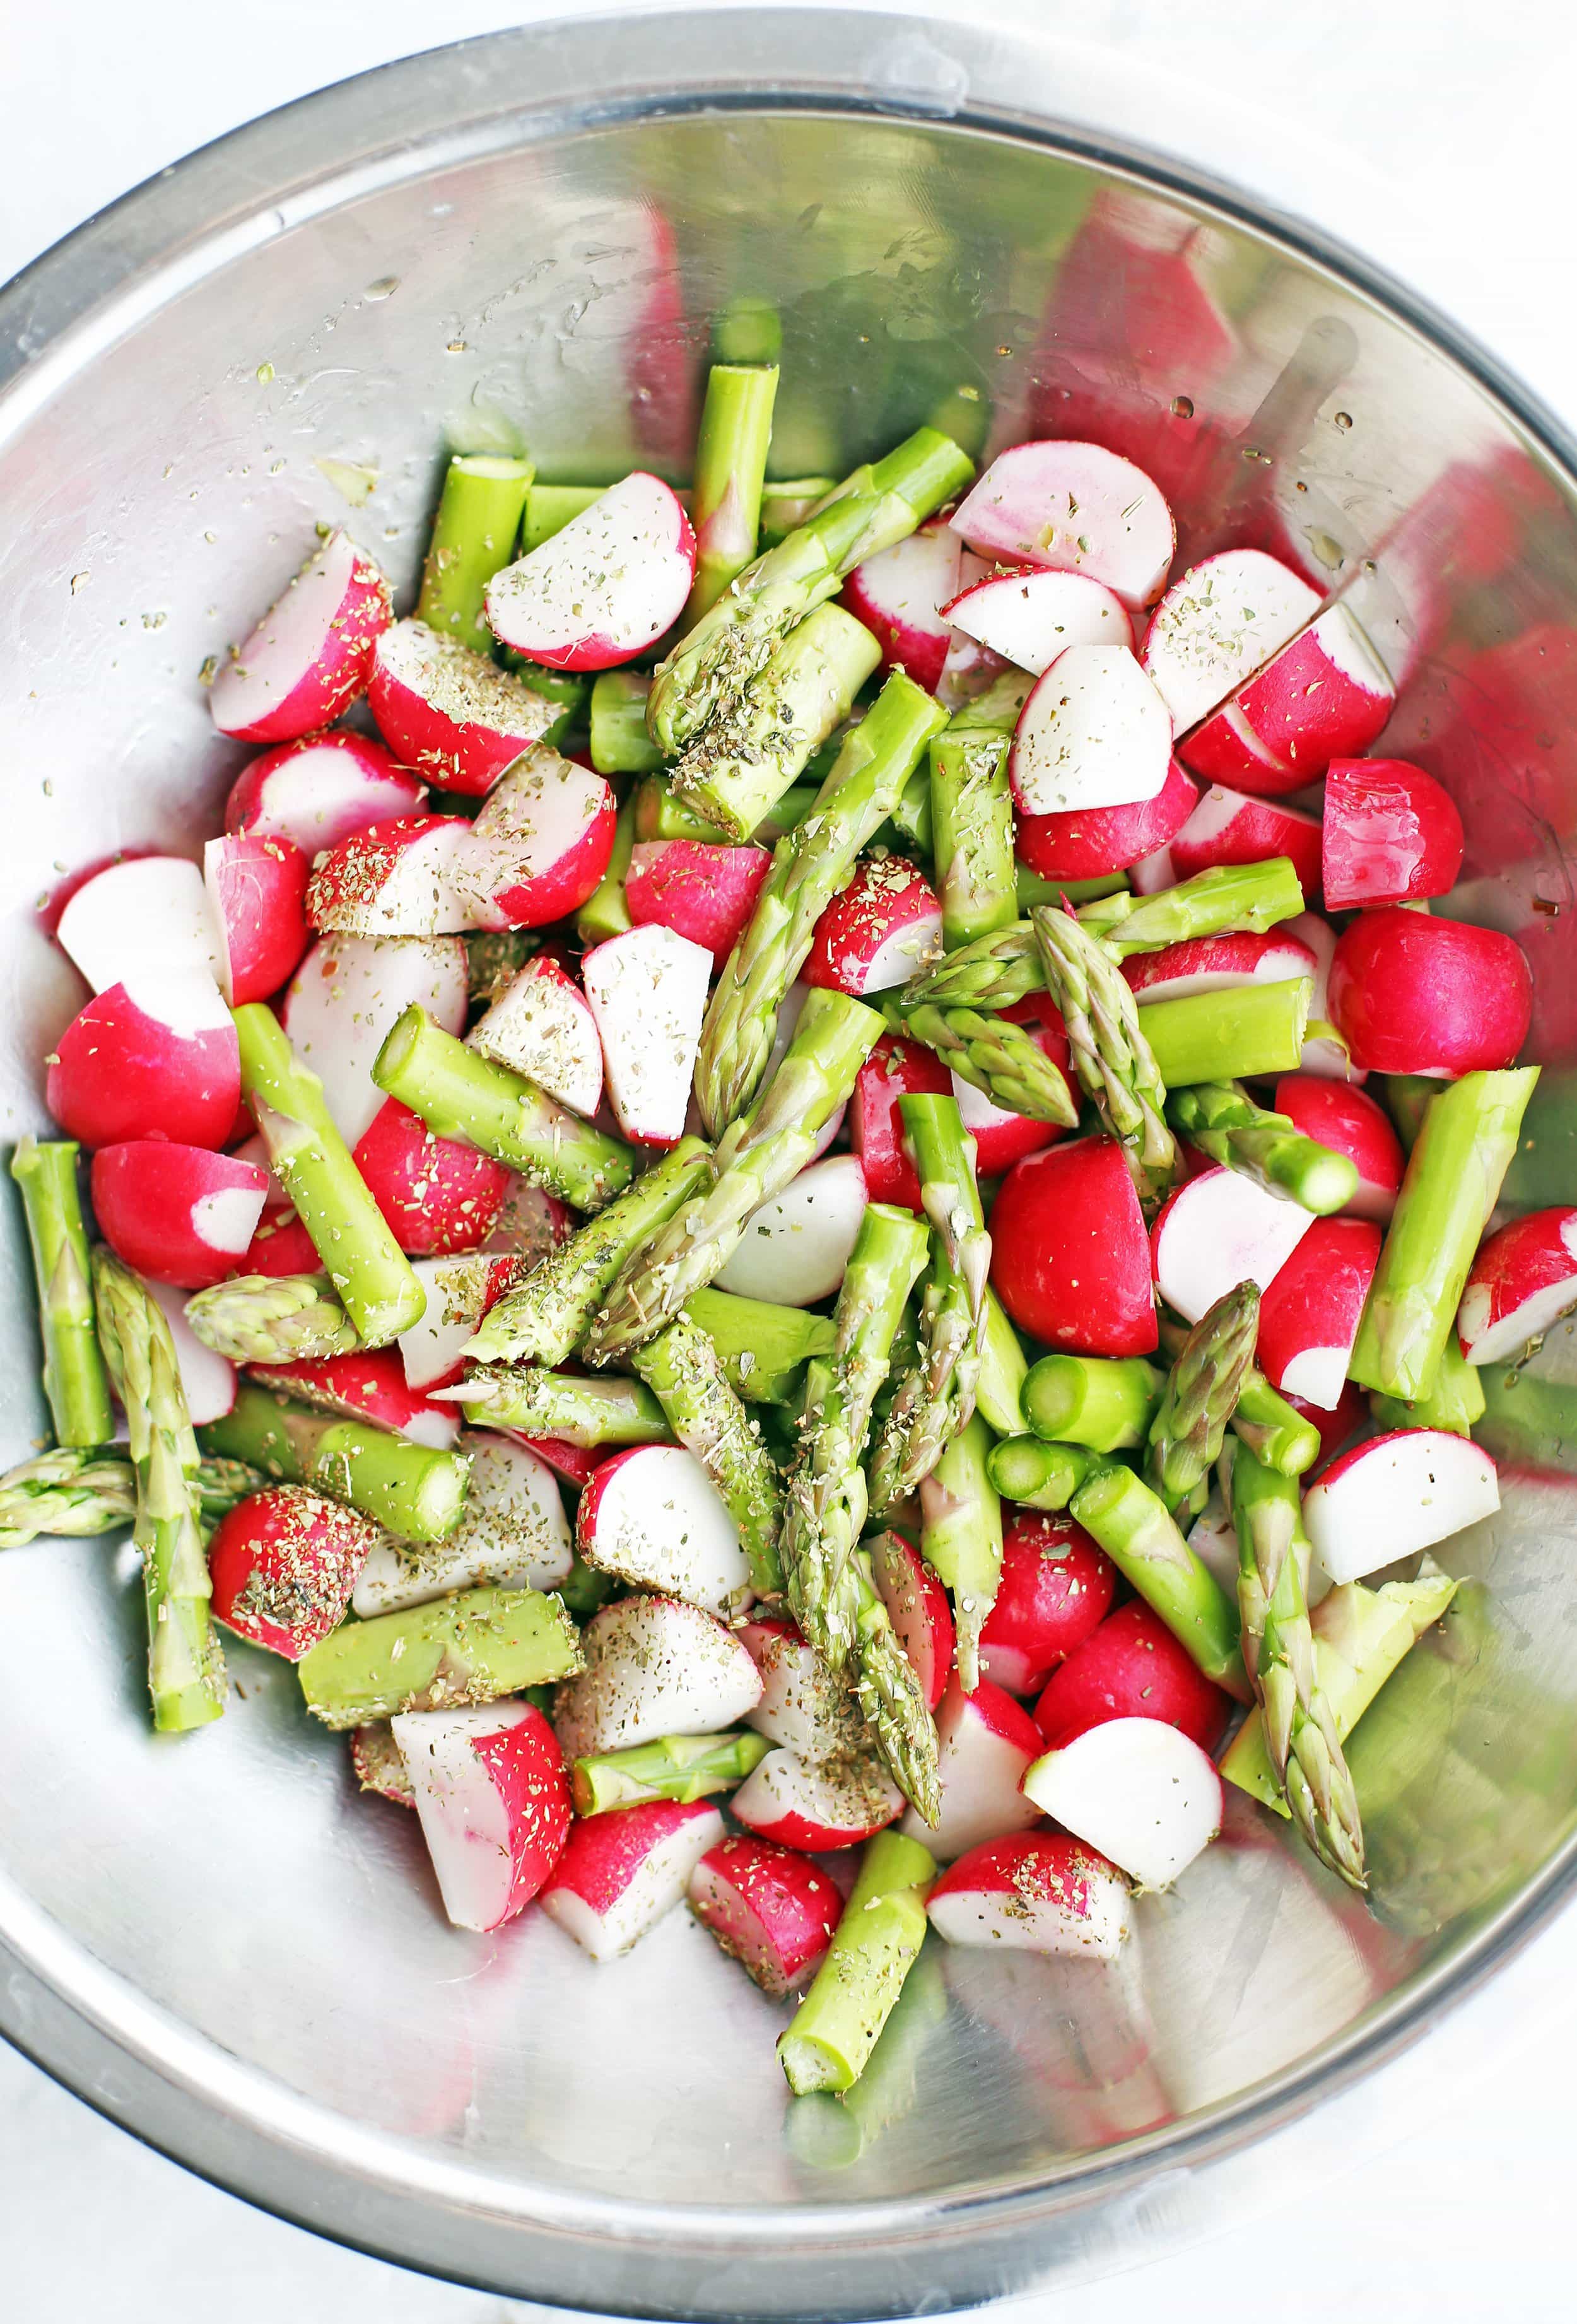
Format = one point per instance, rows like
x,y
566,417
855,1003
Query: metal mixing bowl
x,y
523,240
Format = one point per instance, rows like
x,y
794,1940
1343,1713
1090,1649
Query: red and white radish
x,y
348,992
154,1058
319,790
1395,1495
1325,696
878,933
541,842
257,890
653,1666
806,1705
901,595
178,1214
918,1608
1093,734
1037,1891
1216,964
541,1026
513,1535
1411,995
770,1908
622,1871
1070,1260
574,1462
1218,623
652,1517
1091,841
1345,1416
1218,1231
1137,1790
449,712
412,877
460,1288
1390,833
436,1194
281,1246
1523,1280
1001,1137
309,656
1031,615
820,1805
207,1379
605,588
369,1384
1075,508
283,1563
1228,827
493,1799
1325,1053
895,1069
985,1741
795,1249
648,992
1309,1316
1055,1590
1131,1667
1349,1122
146,916
704,893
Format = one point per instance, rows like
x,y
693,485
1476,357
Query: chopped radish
x,y
605,588
576,1463
435,1193
1326,696
795,1249
154,1058
408,877
806,1705
283,1563
1309,1316
1218,1231
818,1806
147,916
541,1026
1075,508
1056,1588
653,1666
346,996
1091,841
1137,1790
320,789
1229,828
1323,1053
770,1908
1069,1258
1037,1891
460,1288
885,924
1131,1667
1410,994
177,1213
1349,1122
652,1517
705,894
309,656
896,1068
208,1379
648,992
374,1757
450,712
901,595
1216,963
1391,833
281,1246
1217,625
541,842
367,1385
1031,615
624,1870
918,1608
985,1743
513,1535
257,890
1395,1495
1154,872
1523,1280
1093,734
493,1799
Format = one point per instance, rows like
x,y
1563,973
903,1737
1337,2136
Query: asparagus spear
x,y
413,1491
1110,1056
1245,1030
972,828
1200,1397
73,1369
186,1668
762,1348
755,1159
464,1096
998,1393
1003,1059
1224,1121
877,507
606,911
1300,1726
1039,1475
440,1655
272,1319
1130,1522
473,537
1453,1181
1033,888
808,869
365,1263
785,506
539,1403
873,1951
1106,1402
731,462
685,1373
1455,1402
1274,1431
620,744
551,507
675,1767
77,1491
961,1536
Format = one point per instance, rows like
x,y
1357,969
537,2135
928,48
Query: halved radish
x,y
1056,1588
1093,734
1523,1280
541,1026
1216,963
374,1759
436,1194
154,1058
493,1799
1037,1891
1309,1316
1137,1790
985,1743
513,1535
145,916
652,1517
1218,623
347,994
878,932
817,1805
1075,508
1230,827
209,1380
180,1214
806,1705
647,989
1091,841
896,1068
624,1870
408,877
605,588
705,894
770,1909
918,1608
574,1462
309,656
283,1563
1395,1495
541,842
900,594
1391,833
1218,1231
1349,1122
367,1385
1031,615
1131,1667
281,1246
1070,1260
1325,696
1001,1137
460,1288
1325,1052
320,790
1411,995
450,712
653,1666
257,889
795,1249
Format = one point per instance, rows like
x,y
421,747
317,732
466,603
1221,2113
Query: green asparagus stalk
x,y
685,1373
584,1589
1407,1099
1104,1402
1130,1522
272,1319
972,830
755,1159
661,814
413,1491
543,1319
731,462
1234,1035
1451,1184
1274,1431
1033,888
620,744
875,1946
585,1412
785,506
186,1668
683,1767
464,1096
73,1369
1039,1475
1230,899
606,911
1455,1403
763,1348
365,1263
551,507
808,869
961,1538
1200,1397
440,1656
493,959
1224,1121
473,537
1003,1059
1111,1055
566,689
713,664
77,1491
830,2132
1004,1368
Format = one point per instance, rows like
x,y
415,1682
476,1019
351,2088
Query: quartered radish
x,y
918,1608
795,1249
541,1026
820,1805
207,1379
622,1871
1216,963
605,588
1218,623
648,993
986,1740
1395,1495
1349,1121
309,656
1091,841
283,1563
1325,696
1227,826
806,1705
1070,1260
1056,1588
895,1069
147,916
878,932
1031,615
412,877
1390,833
1037,1891
320,790
513,1535
653,1666
1136,1789
281,1246
1093,734
449,712
1218,1231
1131,1667
493,1799
459,1287
436,1194
180,1214
154,1058
770,1908
1309,1316
369,1384
257,890
1412,994
541,842
347,994
704,893
652,1517
1075,508
900,594
1523,1280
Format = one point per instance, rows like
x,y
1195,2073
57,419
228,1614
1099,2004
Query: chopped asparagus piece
x,y
440,1656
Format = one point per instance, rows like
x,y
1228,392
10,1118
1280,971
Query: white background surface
x,y
1437,134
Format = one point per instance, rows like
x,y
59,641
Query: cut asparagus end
x,y
440,1656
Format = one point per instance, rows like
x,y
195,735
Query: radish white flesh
x,y
1523,1280
460,1286
320,789
513,1535
1396,1494
1077,508
1218,1231
1141,1791
625,1869
493,1799
900,594
157,1057
806,1705
148,916
770,1909
653,1666
308,657
1217,963
257,887
986,1742
414,877
1218,623
209,1380
346,996
603,588
654,1516
818,1806
1040,1892
1093,734
795,1249
1032,616
647,989
541,1026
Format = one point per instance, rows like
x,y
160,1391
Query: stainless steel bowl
x,y
523,239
